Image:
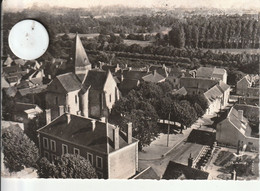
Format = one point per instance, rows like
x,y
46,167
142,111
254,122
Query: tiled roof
x,y
69,82
179,171
128,84
11,69
213,93
200,83
79,131
204,72
80,57
153,77
148,173
96,79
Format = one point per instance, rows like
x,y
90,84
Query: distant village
x,y
76,99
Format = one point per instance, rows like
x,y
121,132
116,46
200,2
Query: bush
x,y
66,166
18,149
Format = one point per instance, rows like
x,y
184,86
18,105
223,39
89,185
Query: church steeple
x,y
80,59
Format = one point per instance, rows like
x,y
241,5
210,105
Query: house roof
x,y
213,93
181,91
179,171
175,71
79,131
4,83
223,86
80,58
12,79
11,91
21,107
200,83
249,111
69,82
19,61
128,84
8,61
148,173
234,118
96,79
153,77
162,70
34,90
208,72
11,69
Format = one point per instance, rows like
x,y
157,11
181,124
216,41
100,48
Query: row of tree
x,y
148,103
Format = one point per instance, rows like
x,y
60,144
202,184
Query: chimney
x,y
93,124
48,116
61,110
49,77
103,119
129,68
190,161
129,132
163,66
116,138
240,115
68,118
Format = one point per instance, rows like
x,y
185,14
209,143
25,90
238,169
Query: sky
x,y
221,4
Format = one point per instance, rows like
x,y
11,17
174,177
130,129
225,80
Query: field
x,y
235,51
141,43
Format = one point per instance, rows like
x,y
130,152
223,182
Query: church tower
x,y
80,59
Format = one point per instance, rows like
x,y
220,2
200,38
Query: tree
x,y
33,125
8,104
66,166
18,149
177,36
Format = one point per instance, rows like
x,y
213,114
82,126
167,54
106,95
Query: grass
x,y
223,158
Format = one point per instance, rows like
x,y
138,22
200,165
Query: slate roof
x,y
80,58
79,131
153,77
179,171
96,79
175,71
69,82
11,69
200,83
128,84
148,173
134,74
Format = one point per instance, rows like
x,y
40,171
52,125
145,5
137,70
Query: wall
x,y
122,163
70,100
241,87
94,103
228,134
83,152
84,103
109,89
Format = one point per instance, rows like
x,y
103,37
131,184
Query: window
x,y
76,99
53,146
110,98
99,162
116,94
76,151
90,158
56,100
100,174
46,154
64,149
53,157
45,143
174,80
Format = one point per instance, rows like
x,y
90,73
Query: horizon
x,y
19,5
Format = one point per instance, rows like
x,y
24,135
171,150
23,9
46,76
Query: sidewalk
x,y
158,147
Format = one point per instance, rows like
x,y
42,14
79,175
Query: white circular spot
x,y
28,39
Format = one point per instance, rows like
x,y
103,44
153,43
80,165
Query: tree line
x,y
149,102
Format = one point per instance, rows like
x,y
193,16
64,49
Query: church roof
x,y
69,81
80,57
96,79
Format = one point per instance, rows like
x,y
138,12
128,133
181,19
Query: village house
x,y
112,152
98,94
216,92
184,172
248,86
235,127
212,73
63,90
